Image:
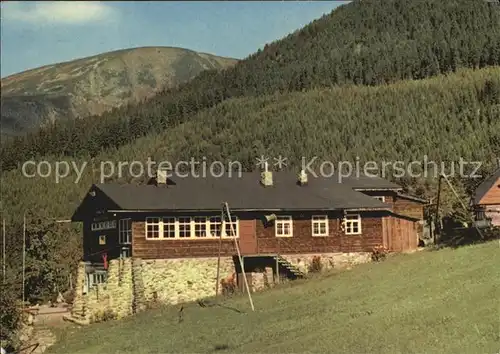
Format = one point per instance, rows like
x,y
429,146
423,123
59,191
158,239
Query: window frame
x,y
200,224
215,226
127,231
283,220
235,222
125,252
172,226
95,278
185,226
350,221
318,220
158,223
209,226
103,225
380,197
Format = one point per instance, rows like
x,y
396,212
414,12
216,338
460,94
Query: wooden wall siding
x,y
493,212
401,234
385,232
492,197
255,238
370,238
400,205
160,249
389,196
92,250
408,208
302,240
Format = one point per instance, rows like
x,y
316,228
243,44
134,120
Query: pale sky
x,y
34,34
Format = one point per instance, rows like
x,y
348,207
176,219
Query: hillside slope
x,y
430,302
444,118
364,42
93,85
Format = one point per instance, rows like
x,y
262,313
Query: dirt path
x,y
42,337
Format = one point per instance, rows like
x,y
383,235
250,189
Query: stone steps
x,y
290,267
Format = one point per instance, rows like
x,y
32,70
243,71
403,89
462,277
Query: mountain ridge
x,y
115,52
96,84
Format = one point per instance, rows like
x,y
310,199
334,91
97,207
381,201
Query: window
x,y
320,225
103,225
353,224
98,278
284,226
200,226
184,227
381,198
93,279
168,227
231,227
125,252
152,228
215,226
125,231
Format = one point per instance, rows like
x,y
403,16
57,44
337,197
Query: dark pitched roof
x,y
245,192
411,197
368,183
485,186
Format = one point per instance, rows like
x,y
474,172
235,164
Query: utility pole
x,y
438,221
463,205
3,248
459,200
24,254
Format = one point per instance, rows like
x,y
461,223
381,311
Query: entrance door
x,y
248,237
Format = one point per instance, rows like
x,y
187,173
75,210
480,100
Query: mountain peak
x,y
95,84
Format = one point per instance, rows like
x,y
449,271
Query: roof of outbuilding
x,y
485,186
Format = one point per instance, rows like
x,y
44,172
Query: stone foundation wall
x,y
328,260
173,281
263,280
133,283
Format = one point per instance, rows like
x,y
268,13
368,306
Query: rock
x,y
60,299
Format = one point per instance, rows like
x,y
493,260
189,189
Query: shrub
x,y
379,253
69,296
316,266
103,316
228,285
10,317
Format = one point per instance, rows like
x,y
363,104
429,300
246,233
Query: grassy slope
x,y
389,122
431,302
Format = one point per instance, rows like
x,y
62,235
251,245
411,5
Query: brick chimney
x,y
161,176
266,177
302,178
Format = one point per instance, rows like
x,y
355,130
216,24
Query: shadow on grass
x,y
221,347
459,237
